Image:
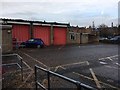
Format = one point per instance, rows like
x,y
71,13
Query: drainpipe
x,y
67,36
51,35
31,29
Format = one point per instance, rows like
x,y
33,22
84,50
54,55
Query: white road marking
x,y
110,80
118,64
95,78
113,56
110,58
102,59
87,63
36,60
9,64
60,47
103,63
112,67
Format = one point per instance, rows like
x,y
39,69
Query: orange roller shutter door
x,y
42,32
21,32
60,35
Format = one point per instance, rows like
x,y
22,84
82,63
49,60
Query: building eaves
x,y
41,22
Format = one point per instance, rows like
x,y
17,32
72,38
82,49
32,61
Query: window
x,y
72,36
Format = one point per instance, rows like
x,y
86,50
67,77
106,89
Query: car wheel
x,y
38,46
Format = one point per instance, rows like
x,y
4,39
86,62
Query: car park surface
x,y
94,65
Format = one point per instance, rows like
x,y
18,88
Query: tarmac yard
x,y
94,65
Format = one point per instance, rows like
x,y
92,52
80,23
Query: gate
x,y
77,85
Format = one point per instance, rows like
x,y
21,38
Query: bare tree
x,y
102,26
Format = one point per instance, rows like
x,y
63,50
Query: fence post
x,y
21,69
78,86
35,77
48,76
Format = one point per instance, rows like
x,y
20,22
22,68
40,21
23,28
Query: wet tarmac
x,y
94,65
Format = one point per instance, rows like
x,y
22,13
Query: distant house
x,y
109,31
82,35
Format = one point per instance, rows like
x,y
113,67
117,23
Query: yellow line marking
x,y
62,67
27,65
87,63
95,78
36,60
89,77
26,79
71,64
56,68
83,76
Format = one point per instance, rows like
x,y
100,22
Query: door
x,y
21,33
60,35
42,32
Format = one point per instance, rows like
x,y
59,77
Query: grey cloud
x,y
76,13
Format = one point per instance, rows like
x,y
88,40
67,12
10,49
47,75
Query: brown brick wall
x,y
6,40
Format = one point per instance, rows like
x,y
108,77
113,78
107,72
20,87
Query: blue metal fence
x,y
79,85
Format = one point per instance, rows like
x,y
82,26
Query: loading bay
x,y
94,65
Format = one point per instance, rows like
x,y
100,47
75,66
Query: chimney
x,y
93,26
112,24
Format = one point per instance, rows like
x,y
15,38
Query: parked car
x,y
115,40
34,42
103,38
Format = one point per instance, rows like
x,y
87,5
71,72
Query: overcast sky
x,y
77,12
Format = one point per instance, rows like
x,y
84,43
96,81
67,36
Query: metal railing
x,y
20,65
78,84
